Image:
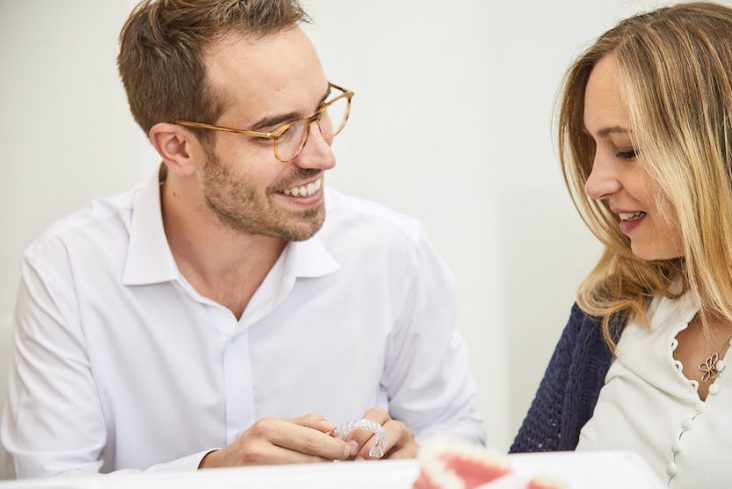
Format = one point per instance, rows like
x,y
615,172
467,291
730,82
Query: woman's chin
x,y
649,252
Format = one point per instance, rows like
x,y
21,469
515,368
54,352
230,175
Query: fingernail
x,y
352,448
360,459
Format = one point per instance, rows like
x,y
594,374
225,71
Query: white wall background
x,y
451,123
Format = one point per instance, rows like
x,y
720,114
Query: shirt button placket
x,y
676,446
238,385
672,467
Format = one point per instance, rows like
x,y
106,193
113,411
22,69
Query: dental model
x,y
451,465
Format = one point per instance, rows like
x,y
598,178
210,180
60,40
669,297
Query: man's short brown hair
x,y
161,60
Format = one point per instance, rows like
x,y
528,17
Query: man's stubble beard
x,y
242,207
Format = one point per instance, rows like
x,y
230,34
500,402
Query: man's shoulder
x,y
98,224
362,215
372,239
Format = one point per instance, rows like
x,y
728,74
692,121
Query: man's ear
x,y
177,146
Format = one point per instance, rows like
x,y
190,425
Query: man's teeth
x,y
304,190
631,216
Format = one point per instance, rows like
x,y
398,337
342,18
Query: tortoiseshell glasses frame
x,y
289,139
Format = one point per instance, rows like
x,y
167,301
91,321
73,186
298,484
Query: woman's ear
x,y
179,149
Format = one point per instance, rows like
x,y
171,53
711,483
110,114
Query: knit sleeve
x,y
568,392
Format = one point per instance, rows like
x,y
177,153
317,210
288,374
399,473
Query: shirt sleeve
x,y
53,423
427,377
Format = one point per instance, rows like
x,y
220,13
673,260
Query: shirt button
x,y
714,389
699,407
676,445
720,365
686,424
672,469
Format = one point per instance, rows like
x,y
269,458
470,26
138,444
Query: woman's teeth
x,y
631,216
304,190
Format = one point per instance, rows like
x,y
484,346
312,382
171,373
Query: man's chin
x,y
285,225
302,231
299,227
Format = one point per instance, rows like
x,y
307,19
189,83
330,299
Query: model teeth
x,y
304,190
631,216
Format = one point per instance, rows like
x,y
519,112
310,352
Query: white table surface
x,y
581,470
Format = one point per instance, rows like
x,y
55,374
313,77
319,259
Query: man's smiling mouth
x,y
304,190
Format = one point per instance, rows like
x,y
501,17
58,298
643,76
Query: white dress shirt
x,y
649,406
118,363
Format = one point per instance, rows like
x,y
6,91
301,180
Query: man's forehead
x,y
282,68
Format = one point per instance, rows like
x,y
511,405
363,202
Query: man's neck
x,y
222,264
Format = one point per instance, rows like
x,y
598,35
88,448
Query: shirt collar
x,y
149,259
308,259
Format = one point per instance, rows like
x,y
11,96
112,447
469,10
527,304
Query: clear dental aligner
x,y
378,449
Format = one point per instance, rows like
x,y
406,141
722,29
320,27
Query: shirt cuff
x,y
184,464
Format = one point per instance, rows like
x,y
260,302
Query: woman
x,y
645,137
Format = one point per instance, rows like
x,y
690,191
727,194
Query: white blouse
x,y
647,405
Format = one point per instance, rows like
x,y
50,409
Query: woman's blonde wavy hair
x,y
674,69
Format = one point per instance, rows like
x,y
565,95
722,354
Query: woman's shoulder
x,y
581,324
585,326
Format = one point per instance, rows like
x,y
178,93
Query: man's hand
x,y
399,440
277,441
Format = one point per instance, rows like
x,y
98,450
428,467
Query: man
x,y
195,321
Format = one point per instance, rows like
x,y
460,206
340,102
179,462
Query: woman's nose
x,y
603,180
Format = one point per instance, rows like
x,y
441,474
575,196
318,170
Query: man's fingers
x,y
315,421
310,441
408,451
403,444
268,454
362,437
399,441
378,415
276,441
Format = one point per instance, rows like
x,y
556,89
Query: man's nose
x,y
317,152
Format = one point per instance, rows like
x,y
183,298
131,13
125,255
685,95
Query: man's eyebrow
x,y
274,120
281,118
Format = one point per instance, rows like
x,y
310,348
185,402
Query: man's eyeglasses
x,y
289,139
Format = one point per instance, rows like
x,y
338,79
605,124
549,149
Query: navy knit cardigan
x,y
568,393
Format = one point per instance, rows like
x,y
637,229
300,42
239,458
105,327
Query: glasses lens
x,y
334,118
291,142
